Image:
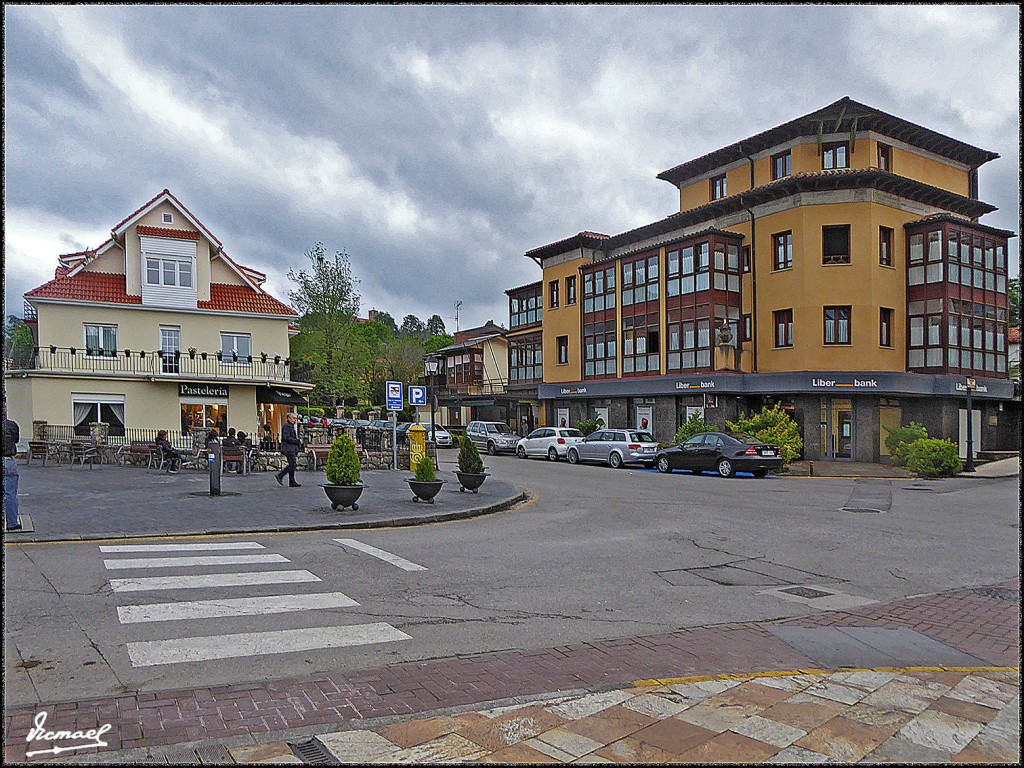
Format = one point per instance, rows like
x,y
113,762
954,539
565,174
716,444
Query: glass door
x,y
837,429
170,344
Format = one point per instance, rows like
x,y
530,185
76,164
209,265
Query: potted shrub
x,y
343,484
471,467
425,485
192,352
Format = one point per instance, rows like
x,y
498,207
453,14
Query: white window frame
x,y
102,351
162,262
242,359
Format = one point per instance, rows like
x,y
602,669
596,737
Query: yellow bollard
x,y
417,445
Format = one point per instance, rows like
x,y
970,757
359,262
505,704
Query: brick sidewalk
x,y
982,624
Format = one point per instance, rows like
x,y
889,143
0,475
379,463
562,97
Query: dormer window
x,y
168,272
168,218
173,273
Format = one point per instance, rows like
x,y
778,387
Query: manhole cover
x,y
999,593
862,510
807,592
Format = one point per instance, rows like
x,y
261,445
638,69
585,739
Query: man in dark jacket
x,y
290,447
11,437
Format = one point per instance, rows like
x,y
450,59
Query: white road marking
x,y
180,547
187,649
387,557
242,606
204,580
170,562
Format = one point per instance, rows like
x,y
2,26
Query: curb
x,y
436,517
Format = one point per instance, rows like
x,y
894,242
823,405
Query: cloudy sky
x,y
437,144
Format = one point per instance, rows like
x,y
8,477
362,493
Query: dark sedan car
x,y
724,452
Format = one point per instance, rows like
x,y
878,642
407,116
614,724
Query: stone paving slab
x,y
703,686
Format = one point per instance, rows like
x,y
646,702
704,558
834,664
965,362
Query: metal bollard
x,y
216,457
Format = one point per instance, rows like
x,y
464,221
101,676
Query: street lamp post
x,y
430,366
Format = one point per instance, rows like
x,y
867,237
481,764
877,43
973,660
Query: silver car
x,y
492,436
615,447
552,442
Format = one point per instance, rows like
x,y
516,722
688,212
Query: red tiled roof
x,y
239,298
181,234
110,288
86,286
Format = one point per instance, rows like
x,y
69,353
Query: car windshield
x,y
744,438
641,437
571,433
499,428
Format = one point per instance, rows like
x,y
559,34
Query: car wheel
x,y
492,449
725,468
574,458
552,454
663,465
614,460
760,472
521,452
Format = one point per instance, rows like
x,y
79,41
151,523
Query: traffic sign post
x,y
972,385
417,395
394,398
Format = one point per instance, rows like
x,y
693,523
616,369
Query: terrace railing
x,y
201,365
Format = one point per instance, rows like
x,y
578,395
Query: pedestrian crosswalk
x,y
184,617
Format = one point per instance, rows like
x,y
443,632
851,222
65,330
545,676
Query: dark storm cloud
x,y
436,144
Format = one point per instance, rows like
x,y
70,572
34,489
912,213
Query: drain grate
x,y
314,752
807,592
999,593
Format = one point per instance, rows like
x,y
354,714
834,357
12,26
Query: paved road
x,y
598,554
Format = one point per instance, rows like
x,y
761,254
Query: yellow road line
x,y
793,672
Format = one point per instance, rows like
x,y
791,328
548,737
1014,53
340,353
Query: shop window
x,y
835,244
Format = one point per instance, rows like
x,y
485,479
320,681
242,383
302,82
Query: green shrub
x,y
469,457
588,426
933,458
425,472
772,425
342,466
694,426
899,440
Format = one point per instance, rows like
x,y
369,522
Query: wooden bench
x,y
236,454
40,449
317,455
137,453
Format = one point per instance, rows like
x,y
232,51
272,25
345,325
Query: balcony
x,y
203,366
473,387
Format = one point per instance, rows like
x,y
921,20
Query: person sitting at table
x,y
171,455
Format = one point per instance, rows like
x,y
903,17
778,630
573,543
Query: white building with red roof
x,y
157,328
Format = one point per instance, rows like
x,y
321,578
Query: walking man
x,y
290,445
11,437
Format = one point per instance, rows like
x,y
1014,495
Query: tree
x,y
434,343
435,326
18,341
385,319
412,325
1013,291
327,299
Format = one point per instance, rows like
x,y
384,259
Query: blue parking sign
x,y
417,395
394,395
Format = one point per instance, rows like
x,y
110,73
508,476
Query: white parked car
x,y
552,442
442,436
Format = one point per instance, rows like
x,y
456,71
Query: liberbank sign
x,y
802,382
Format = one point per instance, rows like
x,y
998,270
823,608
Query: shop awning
x,y
279,396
